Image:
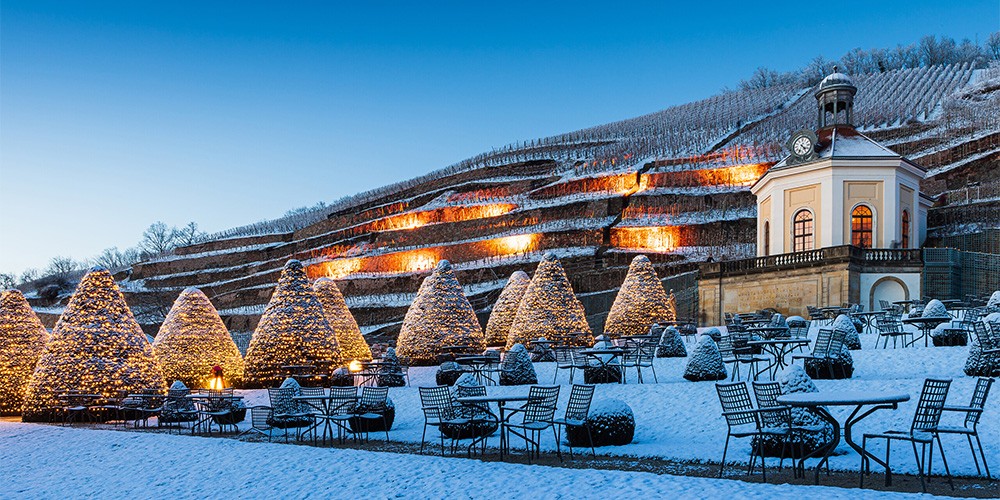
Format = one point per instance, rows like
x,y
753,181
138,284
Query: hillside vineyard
x,y
673,185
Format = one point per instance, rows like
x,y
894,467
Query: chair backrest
x,y
259,415
469,391
580,398
437,402
798,329
884,304
767,394
344,400
931,402
735,397
979,396
374,398
541,405
564,356
313,391
725,345
631,352
836,343
821,346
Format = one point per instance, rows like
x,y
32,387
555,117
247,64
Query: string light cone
x,y
292,331
22,340
549,308
193,340
96,348
439,316
352,344
498,326
640,302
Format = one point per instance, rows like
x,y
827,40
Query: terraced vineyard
x,y
672,185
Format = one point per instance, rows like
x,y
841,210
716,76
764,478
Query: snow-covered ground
x,y
43,461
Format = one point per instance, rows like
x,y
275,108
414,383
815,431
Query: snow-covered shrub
x,y
813,432
945,335
549,307
481,421
390,374
640,302
351,343
178,409
96,348
292,331
517,368
671,345
374,425
713,332
448,373
935,309
502,315
285,411
542,353
22,339
595,372
467,380
440,315
193,339
843,366
994,302
705,363
341,377
978,364
847,325
611,423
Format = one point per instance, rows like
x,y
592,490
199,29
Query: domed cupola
x,y
835,100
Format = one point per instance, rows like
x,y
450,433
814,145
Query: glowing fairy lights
x,y
22,339
650,239
349,339
96,347
502,315
193,340
549,308
640,302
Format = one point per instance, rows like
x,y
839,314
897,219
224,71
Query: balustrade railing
x,y
821,256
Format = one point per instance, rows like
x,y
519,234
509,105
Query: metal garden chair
x,y
439,409
744,421
373,406
577,410
969,429
536,416
740,355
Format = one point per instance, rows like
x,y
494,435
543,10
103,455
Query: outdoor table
x,y
816,401
500,401
322,404
369,371
779,349
905,304
832,312
867,318
541,350
478,366
755,322
204,399
769,331
926,324
606,357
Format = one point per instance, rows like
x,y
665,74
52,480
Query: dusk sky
x,y
116,115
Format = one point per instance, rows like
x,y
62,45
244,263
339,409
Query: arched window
x,y
767,238
802,231
905,226
861,227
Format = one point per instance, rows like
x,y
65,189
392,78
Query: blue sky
x,y
117,114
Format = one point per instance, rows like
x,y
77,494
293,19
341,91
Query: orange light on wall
x,y
520,243
336,268
736,175
420,261
652,239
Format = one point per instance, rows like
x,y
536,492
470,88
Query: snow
x,y
60,462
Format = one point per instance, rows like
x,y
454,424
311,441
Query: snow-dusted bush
x,y
611,423
283,405
193,340
843,366
349,339
713,332
979,365
292,331
502,315
705,363
945,335
847,325
640,302
542,352
178,409
482,422
596,373
96,348
549,308
439,316
994,302
390,373
448,373
517,368
671,345
365,425
813,432
935,309
22,340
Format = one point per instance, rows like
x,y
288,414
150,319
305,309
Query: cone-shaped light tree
x,y
292,331
193,340
498,326
439,316
22,339
640,302
96,347
349,339
549,308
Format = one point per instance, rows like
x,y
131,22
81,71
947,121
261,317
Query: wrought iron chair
x,y
973,413
373,406
890,327
480,421
564,361
731,354
744,421
260,418
827,348
286,413
639,355
815,314
987,336
577,410
925,420
439,409
536,416
341,409
766,394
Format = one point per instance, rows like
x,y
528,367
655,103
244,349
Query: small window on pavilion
x,y
861,227
802,231
767,238
905,226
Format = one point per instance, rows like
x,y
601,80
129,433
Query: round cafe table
x,y
925,324
779,349
500,400
816,403
867,318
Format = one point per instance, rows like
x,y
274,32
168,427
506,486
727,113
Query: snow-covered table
x,y
500,400
925,324
815,402
779,349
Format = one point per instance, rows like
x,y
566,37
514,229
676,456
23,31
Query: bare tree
x,y
7,281
189,234
28,275
158,238
62,267
115,259
993,45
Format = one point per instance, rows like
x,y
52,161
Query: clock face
x,y
802,146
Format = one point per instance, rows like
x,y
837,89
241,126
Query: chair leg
x,y
975,459
944,460
983,456
725,449
920,464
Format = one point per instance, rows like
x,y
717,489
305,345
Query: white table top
x,y
842,398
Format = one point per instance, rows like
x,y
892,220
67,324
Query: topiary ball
x,y
611,423
448,373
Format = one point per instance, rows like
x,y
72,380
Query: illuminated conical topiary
x,y
349,339
96,347
22,339
292,331
549,308
439,316
193,340
498,326
640,302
